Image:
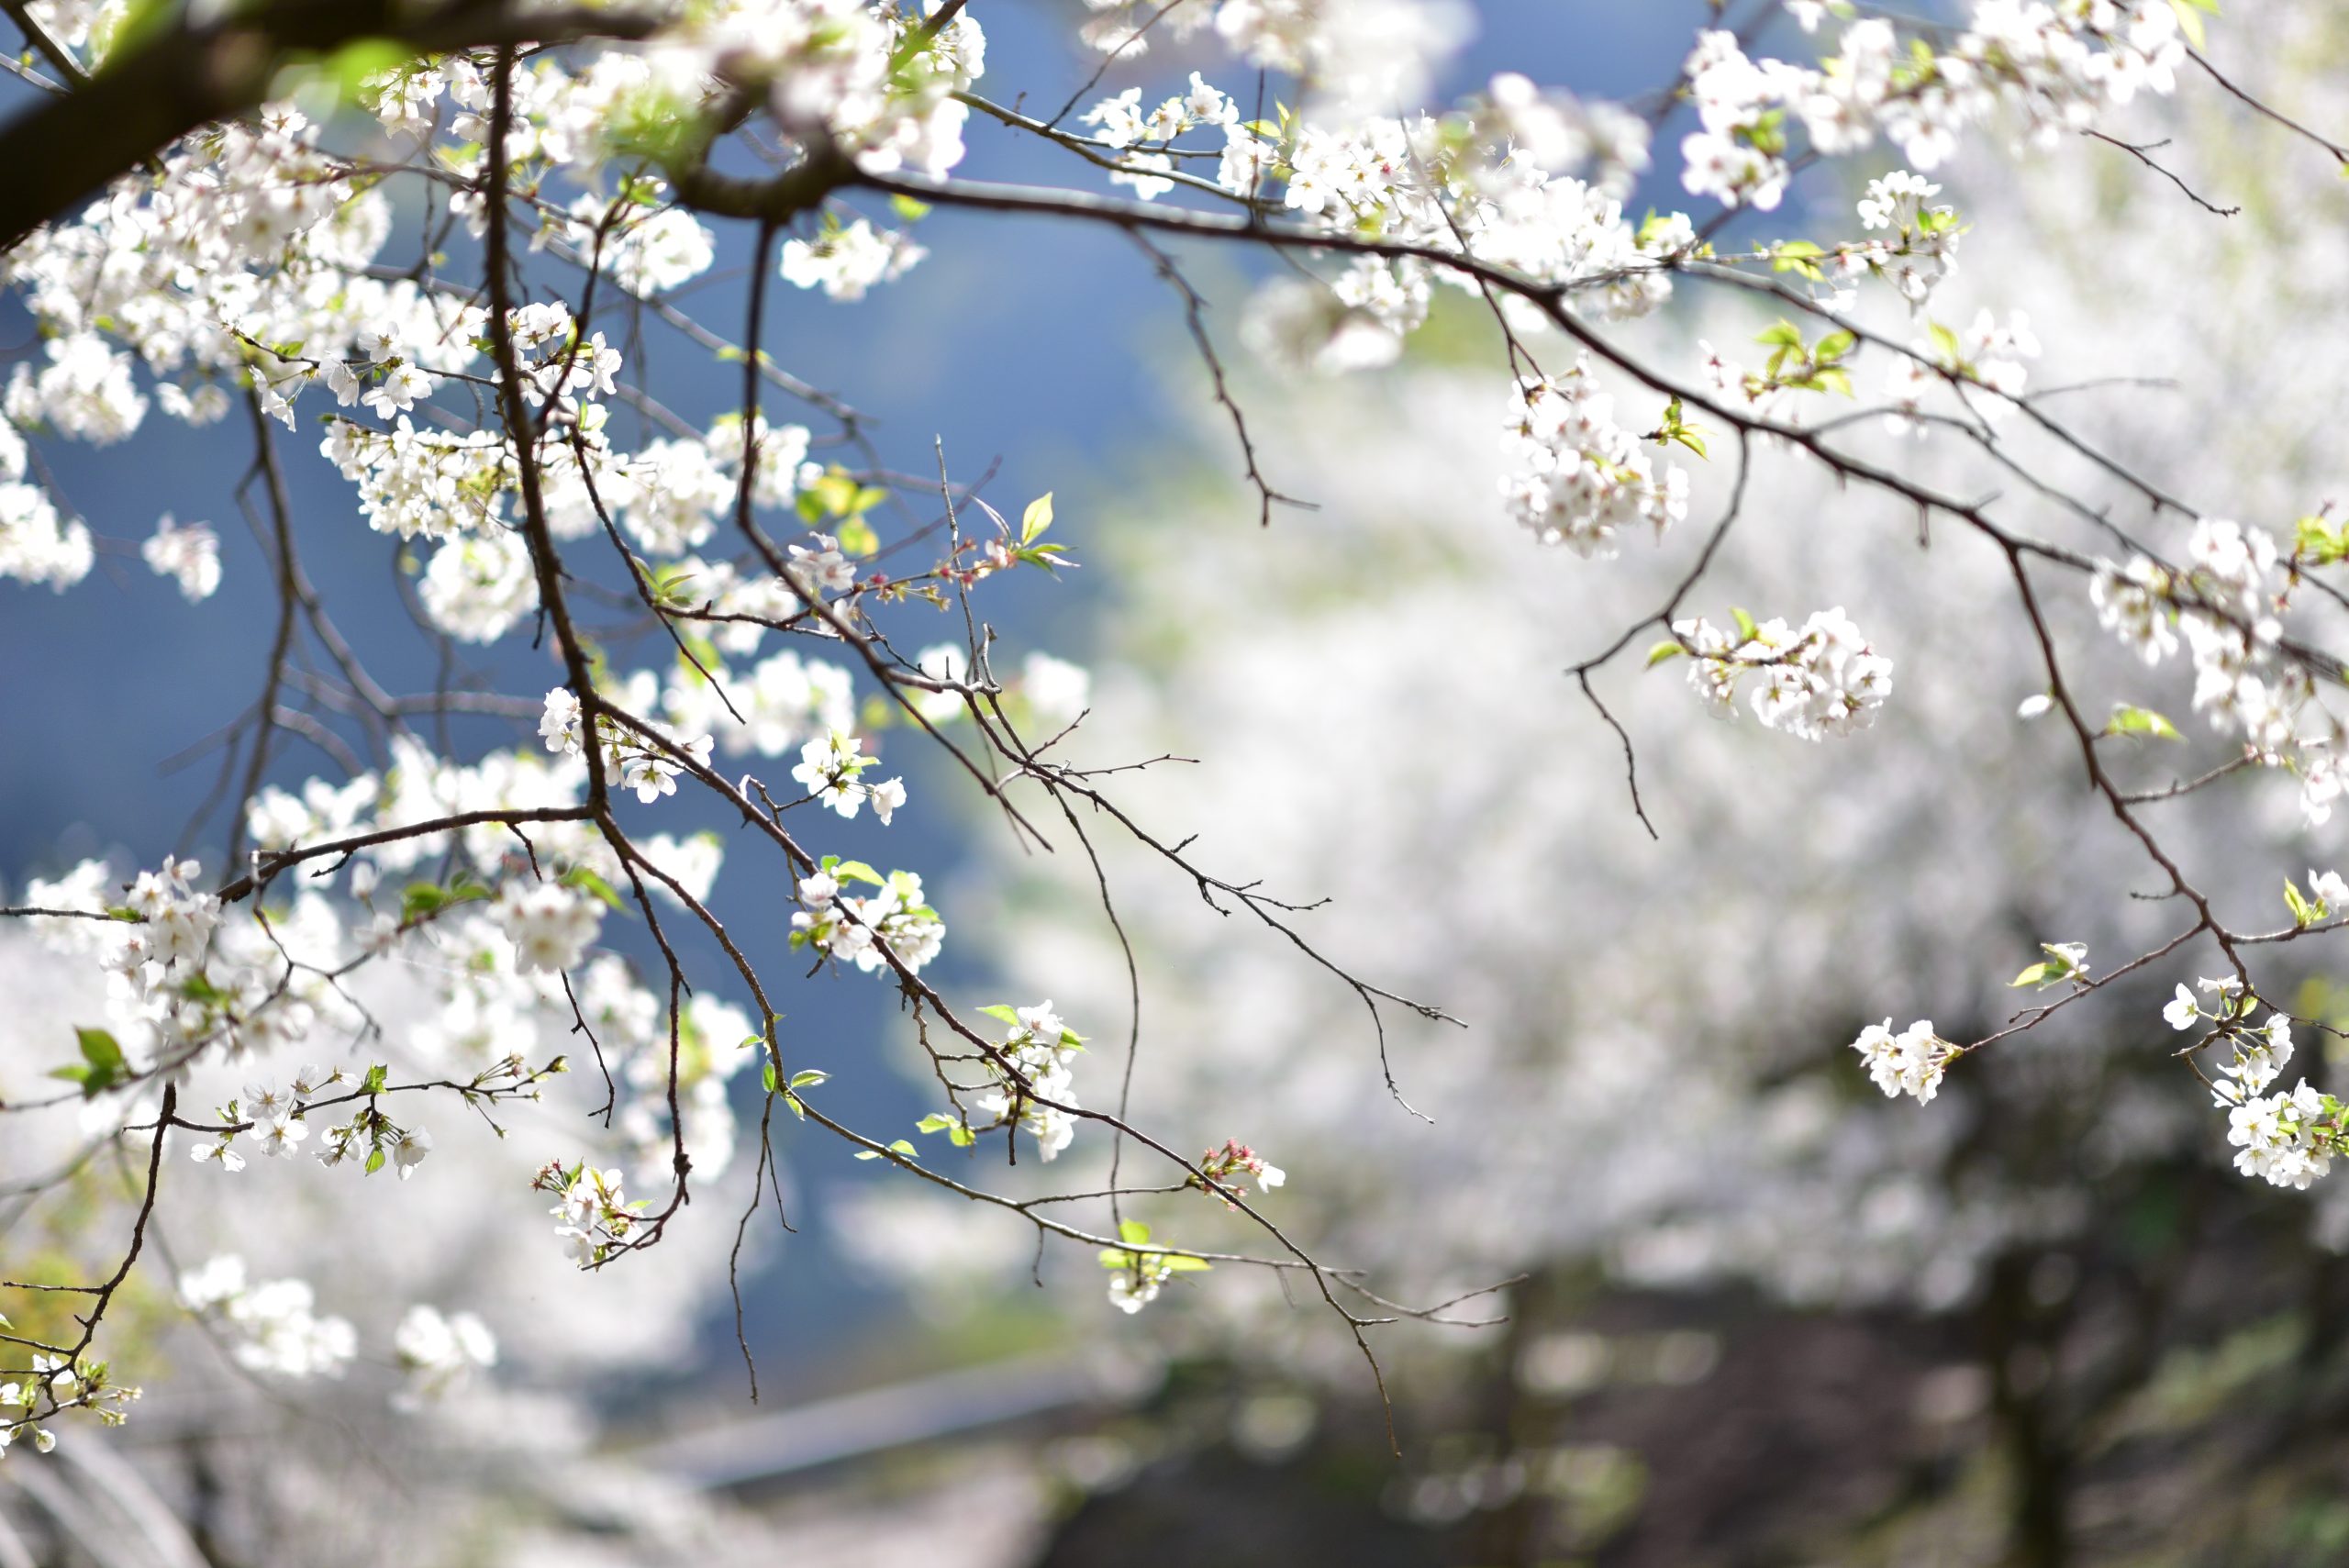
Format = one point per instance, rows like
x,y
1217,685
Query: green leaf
x,y
766,1076
1003,1012
2037,974
99,1050
809,1079
1036,518
1047,556
1797,256
2319,540
2130,720
374,1162
377,1078
1133,1232
908,210
1832,347
2304,914
1785,335
102,1064
1746,630
581,879
833,494
856,537
857,870
1175,1265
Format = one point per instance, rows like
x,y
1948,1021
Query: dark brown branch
x,y
2143,152
64,150
2340,155
271,863
515,410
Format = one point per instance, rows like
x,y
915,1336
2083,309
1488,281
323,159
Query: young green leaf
x,y
2130,720
1036,518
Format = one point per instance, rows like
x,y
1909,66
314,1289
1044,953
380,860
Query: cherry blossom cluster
x,y
768,708
1909,1062
250,235
2057,66
1221,1168
1819,679
1137,1276
504,958
1123,125
1577,477
1031,1065
829,768
594,1212
648,246
423,484
1137,1284
870,929
180,978
1494,179
2287,1138
649,766
2229,602
847,258
50,1385
550,925
189,556
36,545
1919,246
273,1114
247,989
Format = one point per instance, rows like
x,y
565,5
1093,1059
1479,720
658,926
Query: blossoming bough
x,y
190,245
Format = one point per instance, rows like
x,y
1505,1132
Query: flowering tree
x,y
440,233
